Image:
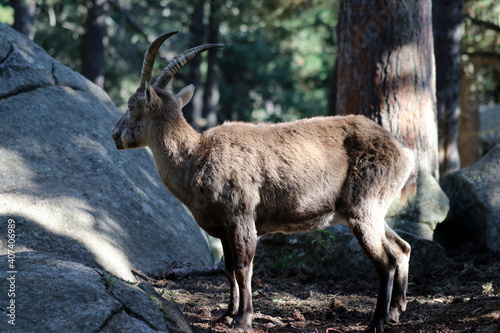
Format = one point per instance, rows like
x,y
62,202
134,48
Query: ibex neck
x,y
174,151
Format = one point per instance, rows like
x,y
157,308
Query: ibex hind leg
x,y
371,236
243,242
402,251
234,296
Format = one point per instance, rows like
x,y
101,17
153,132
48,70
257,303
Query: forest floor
x,y
463,299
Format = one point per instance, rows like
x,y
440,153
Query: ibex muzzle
x,y
242,180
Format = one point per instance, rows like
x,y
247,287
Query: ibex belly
x,y
290,227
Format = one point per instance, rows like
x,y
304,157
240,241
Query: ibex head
x,y
152,102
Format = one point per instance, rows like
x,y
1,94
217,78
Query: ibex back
x,y
242,180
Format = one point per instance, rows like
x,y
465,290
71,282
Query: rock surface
x,y
62,296
474,194
490,127
335,253
69,191
423,212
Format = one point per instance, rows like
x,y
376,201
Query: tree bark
x,y
211,88
92,53
386,71
192,111
332,93
24,11
469,141
447,25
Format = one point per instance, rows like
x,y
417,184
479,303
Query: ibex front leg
x,y
242,240
370,233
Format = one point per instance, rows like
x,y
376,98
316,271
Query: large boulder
x,y
423,212
489,125
63,184
474,194
49,295
335,253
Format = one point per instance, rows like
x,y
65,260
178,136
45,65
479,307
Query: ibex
x,y
243,180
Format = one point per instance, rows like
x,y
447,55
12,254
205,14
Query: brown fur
x,y
242,180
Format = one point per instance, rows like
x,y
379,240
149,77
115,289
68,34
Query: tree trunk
x,y
24,11
386,71
211,89
332,93
469,138
447,25
93,41
192,111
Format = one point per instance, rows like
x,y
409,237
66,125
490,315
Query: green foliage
x,y
278,61
288,260
481,47
256,77
317,246
276,66
58,29
6,14
108,279
326,236
169,294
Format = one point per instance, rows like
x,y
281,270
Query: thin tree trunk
x,y
332,93
469,138
447,26
192,111
386,71
24,11
93,41
211,89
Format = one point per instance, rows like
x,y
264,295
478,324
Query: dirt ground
x,y
464,299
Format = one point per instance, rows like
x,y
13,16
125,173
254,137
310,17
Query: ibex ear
x,y
150,96
184,96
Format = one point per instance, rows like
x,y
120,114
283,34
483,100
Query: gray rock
x,y
474,194
123,323
61,296
133,300
170,310
19,75
490,126
335,253
69,191
423,212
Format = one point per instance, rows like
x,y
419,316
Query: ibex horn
x,y
150,56
176,64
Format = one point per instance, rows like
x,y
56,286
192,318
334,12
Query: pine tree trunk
x,y
332,93
24,11
192,111
93,41
469,139
386,71
211,89
447,26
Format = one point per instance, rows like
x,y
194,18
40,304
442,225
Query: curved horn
x,y
150,56
176,64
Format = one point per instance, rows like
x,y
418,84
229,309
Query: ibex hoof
x,y
393,316
242,324
226,320
375,327
244,329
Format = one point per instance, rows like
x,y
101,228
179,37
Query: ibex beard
x,y
243,180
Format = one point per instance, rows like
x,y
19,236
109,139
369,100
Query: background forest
x,y
279,60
